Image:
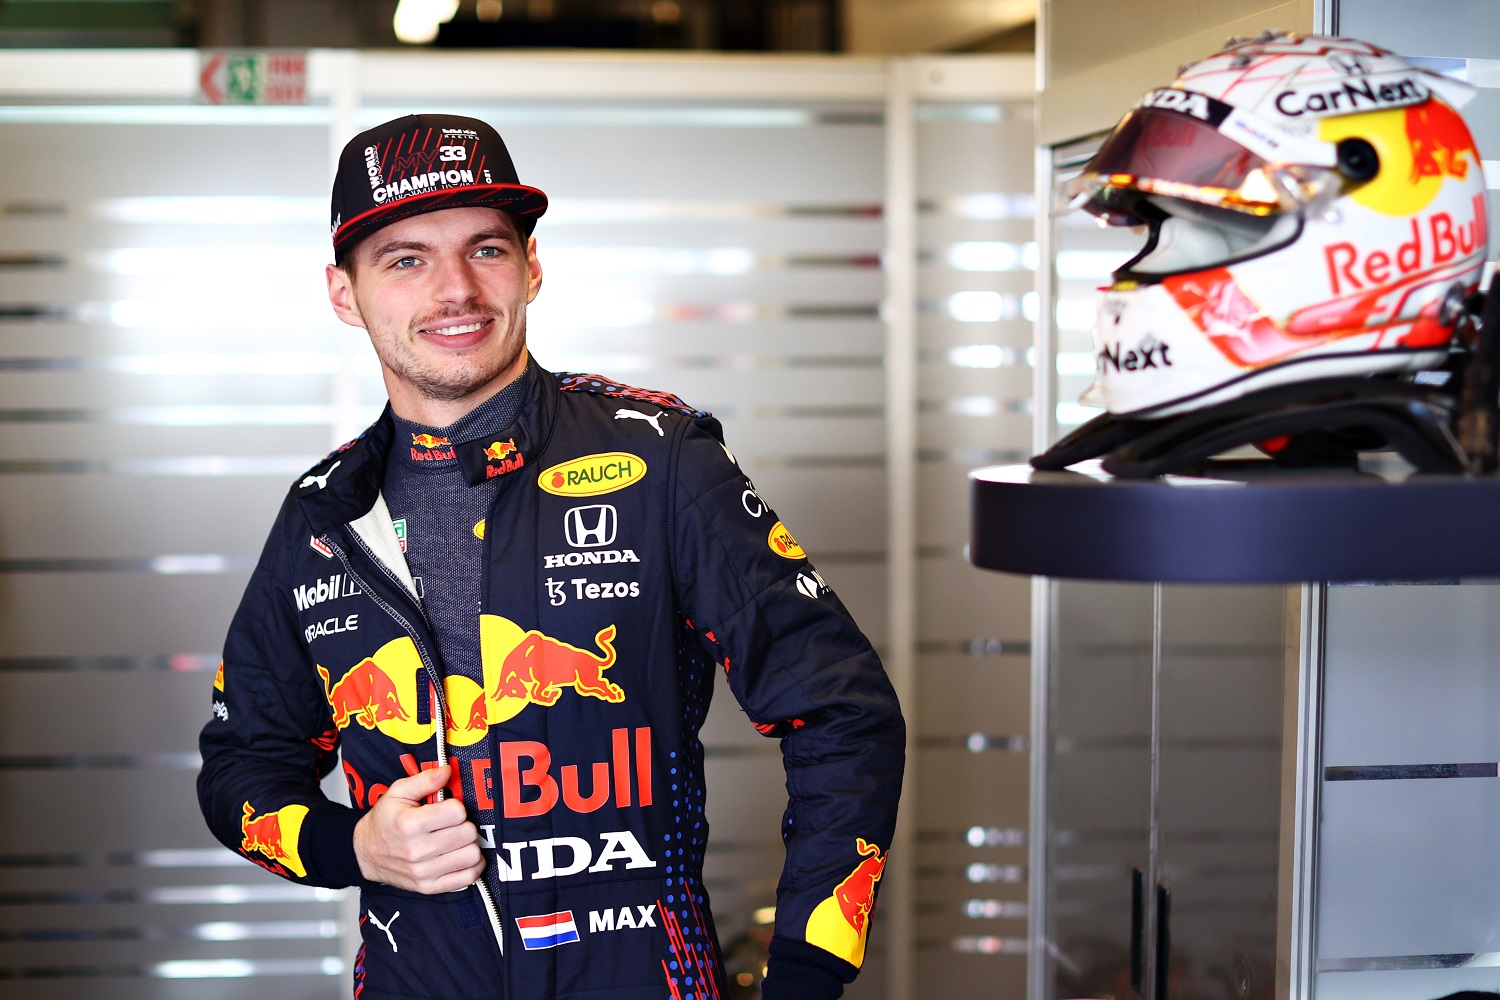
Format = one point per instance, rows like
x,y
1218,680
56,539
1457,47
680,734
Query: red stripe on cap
x,y
468,189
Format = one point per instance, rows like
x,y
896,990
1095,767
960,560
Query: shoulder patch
x,y
313,478
599,385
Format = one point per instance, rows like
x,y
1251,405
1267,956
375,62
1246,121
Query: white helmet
x,y
1315,208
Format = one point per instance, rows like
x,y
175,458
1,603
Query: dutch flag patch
x,y
547,931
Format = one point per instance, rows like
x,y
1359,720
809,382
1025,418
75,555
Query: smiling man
x,y
503,605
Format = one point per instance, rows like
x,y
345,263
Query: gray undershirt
x,y
431,500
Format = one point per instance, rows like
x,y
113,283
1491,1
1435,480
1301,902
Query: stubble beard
x,y
457,379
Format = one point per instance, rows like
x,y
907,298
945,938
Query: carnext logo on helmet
x,y
1367,93
1150,353
1185,102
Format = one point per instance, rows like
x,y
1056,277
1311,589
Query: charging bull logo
x,y
366,694
390,691
840,924
524,667
274,836
1419,148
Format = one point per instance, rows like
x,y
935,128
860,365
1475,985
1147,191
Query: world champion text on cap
x,y
422,183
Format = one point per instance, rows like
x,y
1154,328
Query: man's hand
x,y
427,848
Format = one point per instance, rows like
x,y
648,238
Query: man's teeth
x,y
457,331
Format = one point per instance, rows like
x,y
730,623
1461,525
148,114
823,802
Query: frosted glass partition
x,y
718,228
1408,871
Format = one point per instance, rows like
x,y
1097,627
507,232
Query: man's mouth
x,y
455,329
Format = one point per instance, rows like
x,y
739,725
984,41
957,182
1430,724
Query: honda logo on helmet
x,y
591,527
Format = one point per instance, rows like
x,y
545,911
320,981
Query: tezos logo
x,y
1150,353
591,475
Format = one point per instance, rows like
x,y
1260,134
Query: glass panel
x,y
1100,782
1409,878
1220,787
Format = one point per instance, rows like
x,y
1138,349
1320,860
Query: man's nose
x,y
454,280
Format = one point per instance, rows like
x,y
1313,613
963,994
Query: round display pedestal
x,y
1255,524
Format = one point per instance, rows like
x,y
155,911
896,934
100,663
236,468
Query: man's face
x,y
443,296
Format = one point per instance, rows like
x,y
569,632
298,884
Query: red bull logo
x,y
1420,149
505,453
1442,240
1440,142
389,691
430,448
840,924
274,836
366,694
540,667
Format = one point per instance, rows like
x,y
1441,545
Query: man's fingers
x,y
416,821
415,788
461,869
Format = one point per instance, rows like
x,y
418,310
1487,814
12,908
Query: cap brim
x,y
526,202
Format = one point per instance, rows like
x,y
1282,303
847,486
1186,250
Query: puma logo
x,y
637,415
322,481
387,925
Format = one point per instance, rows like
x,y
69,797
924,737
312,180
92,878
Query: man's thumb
x,y
416,787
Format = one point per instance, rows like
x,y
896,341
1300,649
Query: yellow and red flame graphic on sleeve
x,y
274,836
840,924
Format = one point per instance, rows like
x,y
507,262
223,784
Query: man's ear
x,y
533,270
341,296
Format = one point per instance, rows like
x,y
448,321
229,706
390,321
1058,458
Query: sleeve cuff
x,y
329,836
800,971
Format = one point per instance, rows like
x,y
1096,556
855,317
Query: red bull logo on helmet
x,y
1420,149
840,924
274,836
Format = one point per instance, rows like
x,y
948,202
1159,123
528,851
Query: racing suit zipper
x,y
440,707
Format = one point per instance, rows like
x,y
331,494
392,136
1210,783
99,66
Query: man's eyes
x,y
488,252
405,263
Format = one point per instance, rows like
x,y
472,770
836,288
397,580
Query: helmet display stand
x,y
1305,758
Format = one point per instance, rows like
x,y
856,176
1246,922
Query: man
x,y
505,603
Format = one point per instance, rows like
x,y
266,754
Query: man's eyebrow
x,y
386,249
497,233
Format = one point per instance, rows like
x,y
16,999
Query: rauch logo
x,y
592,475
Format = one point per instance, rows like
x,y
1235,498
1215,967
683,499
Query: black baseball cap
x,y
425,163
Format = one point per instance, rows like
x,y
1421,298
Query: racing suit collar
x,y
345,485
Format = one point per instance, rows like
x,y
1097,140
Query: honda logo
x,y
591,527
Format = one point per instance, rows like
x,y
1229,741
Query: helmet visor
x,y
1159,152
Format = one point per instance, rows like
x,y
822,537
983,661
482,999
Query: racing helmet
x,y
1314,208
